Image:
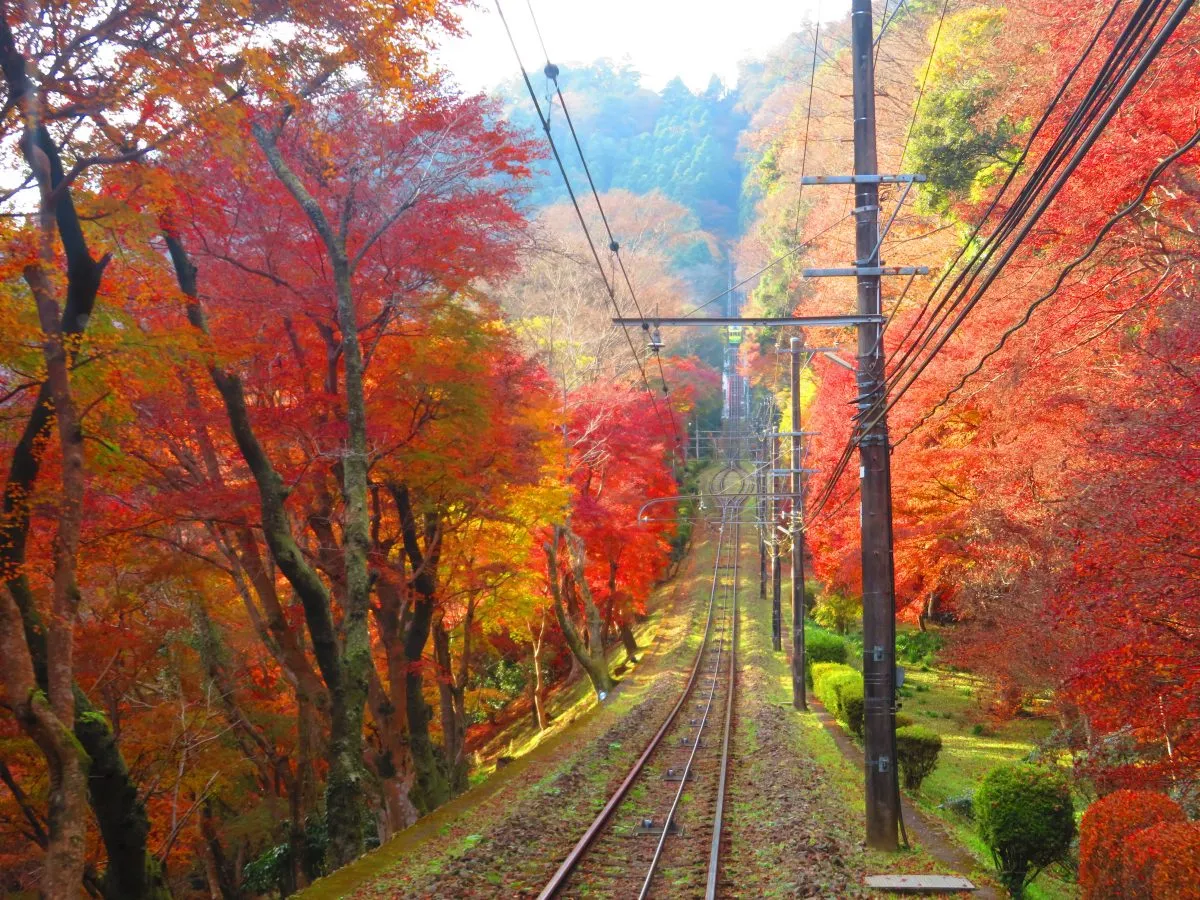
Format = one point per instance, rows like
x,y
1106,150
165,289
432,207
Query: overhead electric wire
x,y
1119,64
1100,122
776,261
1111,223
609,288
1115,65
924,83
1012,174
613,246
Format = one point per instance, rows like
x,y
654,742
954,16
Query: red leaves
x,y
1121,841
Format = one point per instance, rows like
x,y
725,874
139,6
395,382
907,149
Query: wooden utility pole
x,y
773,539
799,698
878,577
761,515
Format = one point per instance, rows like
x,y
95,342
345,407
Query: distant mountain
x,y
680,143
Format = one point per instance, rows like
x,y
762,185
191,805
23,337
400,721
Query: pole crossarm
x,y
858,271
849,321
863,179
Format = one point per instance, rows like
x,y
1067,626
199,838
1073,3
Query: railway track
x,y
659,833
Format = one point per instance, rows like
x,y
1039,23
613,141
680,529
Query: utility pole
x,y
763,465
776,561
878,576
799,698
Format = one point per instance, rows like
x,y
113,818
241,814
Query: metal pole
x,y
776,560
879,635
799,699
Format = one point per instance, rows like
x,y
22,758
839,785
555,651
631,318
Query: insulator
x,y
656,343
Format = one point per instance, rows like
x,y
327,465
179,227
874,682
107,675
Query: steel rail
x,y
714,854
731,593
559,878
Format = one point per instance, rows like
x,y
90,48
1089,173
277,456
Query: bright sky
x,y
694,39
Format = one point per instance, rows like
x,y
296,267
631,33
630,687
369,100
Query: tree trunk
x,y
396,769
345,784
453,709
627,638
590,656
538,684
347,737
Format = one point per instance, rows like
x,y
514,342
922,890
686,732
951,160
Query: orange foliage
x,y
1106,825
1162,862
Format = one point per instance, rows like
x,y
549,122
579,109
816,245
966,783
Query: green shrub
x,y
903,721
917,749
962,804
826,686
851,705
822,647
1026,819
917,647
819,670
840,690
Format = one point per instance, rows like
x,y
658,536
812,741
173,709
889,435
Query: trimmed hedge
x,y
1162,862
821,646
820,670
917,749
840,690
1106,826
832,675
853,706
1026,820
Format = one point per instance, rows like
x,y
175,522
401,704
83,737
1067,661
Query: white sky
x,y
694,39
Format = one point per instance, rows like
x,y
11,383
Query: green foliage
x,y
821,646
961,804
1026,819
917,749
918,647
494,687
817,671
680,143
838,611
840,690
271,870
951,140
852,706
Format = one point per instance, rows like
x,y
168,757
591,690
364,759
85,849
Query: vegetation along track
x,y
660,831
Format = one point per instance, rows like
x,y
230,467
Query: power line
x,y
1111,223
1115,65
609,289
776,261
1098,126
552,72
1134,37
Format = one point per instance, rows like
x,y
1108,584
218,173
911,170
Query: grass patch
x,y
947,702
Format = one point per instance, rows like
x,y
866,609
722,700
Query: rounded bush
x,y
917,749
820,670
830,688
851,705
821,646
1025,818
1162,861
1177,875
1102,833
